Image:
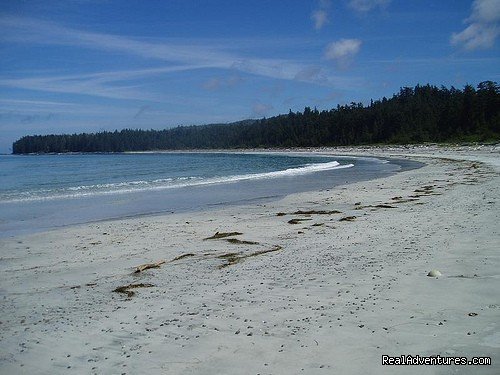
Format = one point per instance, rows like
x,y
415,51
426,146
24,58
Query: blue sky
x,y
91,65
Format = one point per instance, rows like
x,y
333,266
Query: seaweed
x,y
314,212
297,221
374,206
182,256
130,293
403,200
383,206
241,242
310,212
425,189
234,258
230,258
348,218
146,266
218,235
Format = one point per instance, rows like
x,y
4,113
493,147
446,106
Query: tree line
x,y
413,115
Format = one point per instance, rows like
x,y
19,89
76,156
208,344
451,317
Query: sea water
x,y
39,192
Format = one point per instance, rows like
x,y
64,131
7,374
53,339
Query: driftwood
x,y
146,266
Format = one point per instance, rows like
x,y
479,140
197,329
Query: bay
x,y
40,192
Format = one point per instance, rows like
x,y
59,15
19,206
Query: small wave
x,y
166,183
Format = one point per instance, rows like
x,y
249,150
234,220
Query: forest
x,y
413,115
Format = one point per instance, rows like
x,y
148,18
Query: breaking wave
x,y
160,184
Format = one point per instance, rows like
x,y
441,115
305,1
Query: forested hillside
x,y
414,115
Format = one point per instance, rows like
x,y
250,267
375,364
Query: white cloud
x,y
476,36
485,11
320,18
367,5
320,15
484,26
342,50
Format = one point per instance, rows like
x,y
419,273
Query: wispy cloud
x,y
99,84
63,109
342,51
446,60
175,55
141,111
320,16
217,83
34,103
185,55
25,118
261,109
333,96
310,74
37,31
367,5
484,26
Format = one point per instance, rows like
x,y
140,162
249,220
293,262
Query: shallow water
x,y
40,192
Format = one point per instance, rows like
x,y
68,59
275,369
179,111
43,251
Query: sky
x,y
74,66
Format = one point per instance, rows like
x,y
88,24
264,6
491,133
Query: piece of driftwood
x,y
146,266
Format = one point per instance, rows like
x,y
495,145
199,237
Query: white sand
x,y
337,296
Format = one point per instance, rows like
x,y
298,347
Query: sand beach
x,y
319,282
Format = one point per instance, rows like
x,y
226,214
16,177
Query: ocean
x,y
40,192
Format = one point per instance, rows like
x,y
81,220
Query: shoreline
x,y
47,213
328,293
